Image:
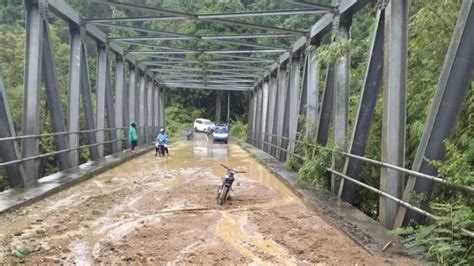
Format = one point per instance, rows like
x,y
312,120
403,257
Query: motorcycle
x,y
189,135
160,148
223,190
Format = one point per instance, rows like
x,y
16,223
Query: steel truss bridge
x,y
283,84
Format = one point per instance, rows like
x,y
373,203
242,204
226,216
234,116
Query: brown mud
x,y
158,210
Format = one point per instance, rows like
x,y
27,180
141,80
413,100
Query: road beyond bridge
x,y
154,210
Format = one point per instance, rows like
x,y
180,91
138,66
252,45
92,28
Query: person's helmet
x,y
162,130
133,124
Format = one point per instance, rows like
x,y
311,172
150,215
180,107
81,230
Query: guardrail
x,y
467,189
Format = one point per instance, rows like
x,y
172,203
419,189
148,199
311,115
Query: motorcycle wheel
x,y
223,195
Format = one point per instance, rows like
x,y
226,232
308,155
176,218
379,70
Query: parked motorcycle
x,y
223,190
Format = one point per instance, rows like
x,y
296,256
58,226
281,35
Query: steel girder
x,y
457,72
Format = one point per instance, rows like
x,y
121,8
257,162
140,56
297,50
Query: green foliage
x,y
456,168
442,241
313,170
238,129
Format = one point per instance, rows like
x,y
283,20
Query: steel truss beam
x,y
312,5
198,17
10,150
366,108
453,84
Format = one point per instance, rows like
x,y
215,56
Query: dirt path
x,y
154,210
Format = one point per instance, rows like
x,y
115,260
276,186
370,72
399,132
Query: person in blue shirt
x,y
163,137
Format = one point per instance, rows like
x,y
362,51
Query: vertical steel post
x,y
276,111
102,51
153,109
326,107
162,107
453,84
293,101
158,104
31,94
10,151
119,97
132,93
150,110
109,107
366,109
258,126
303,98
87,107
54,100
74,92
271,112
218,106
141,104
313,95
341,105
254,115
282,95
394,100
264,114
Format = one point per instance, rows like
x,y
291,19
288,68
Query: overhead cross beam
x,y
198,17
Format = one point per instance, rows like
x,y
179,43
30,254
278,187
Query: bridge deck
x,y
151,210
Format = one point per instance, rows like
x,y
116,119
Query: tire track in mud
x,y
158,210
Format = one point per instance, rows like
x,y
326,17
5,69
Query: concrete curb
x,y
48,185
361,228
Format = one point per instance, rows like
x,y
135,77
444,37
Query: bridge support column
x,y
303,98
457,72
10,152
150,111
341,105
109,106
326,107
100,95
284,107
271,112
74,93
228,108
263,123
312,80
54,100
132,98
119,98
258,127
218,106
162,107
158,105
253,117
141,106
31,94
87,104
293,101
276,110
394,100
366,109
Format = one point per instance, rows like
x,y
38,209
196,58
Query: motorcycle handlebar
x,y
229,169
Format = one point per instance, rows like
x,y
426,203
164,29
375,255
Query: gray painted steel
x,y
271,112
326,107
141,106
132,94
286,116
265,99
282,92
293,100
54,100
394,102
303,98
9,148
100,95
119,97
74,93
312,79
150,111
31,94
258,125
87,107
458,70
109,107
366,109
341,104
276,111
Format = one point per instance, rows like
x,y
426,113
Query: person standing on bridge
x,y
132,135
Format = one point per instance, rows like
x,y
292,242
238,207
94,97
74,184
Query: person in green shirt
x,y
132,135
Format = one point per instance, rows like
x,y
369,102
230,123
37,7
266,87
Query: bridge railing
x,y
291,89
331,169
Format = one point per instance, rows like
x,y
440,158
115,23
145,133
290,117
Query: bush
x,y
238,130
442,241
313,170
